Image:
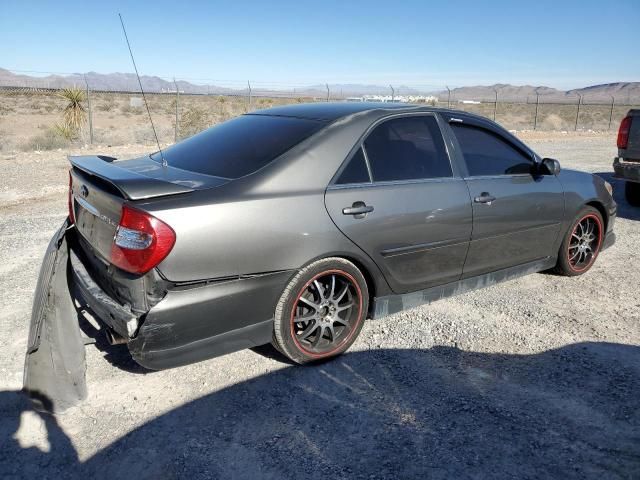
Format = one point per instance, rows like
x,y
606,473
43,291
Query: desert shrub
x,y
129,110
65,131
170,109
108,105
50,139
6,109
74,114
192,121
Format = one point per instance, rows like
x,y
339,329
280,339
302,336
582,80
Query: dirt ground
x,y
537,377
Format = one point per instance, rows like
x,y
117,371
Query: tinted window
x,y
355,171
240,146
487,154
407,148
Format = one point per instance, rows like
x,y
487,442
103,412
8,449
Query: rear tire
x,y
632,193
581,244
321,311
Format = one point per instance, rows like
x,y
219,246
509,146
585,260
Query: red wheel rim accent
x,y
581,246
356,315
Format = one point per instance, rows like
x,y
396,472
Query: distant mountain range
x,y
620,90
628,92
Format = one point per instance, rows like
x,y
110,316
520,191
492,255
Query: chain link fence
x,y
31,107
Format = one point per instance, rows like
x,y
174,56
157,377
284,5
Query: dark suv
x,y
627,163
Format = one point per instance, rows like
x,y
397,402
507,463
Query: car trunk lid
x,y
99,186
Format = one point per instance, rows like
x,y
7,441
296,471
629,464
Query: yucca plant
x,y
74,114
65,131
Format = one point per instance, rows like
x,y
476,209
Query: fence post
x,y
328,92
90,112
249,86
448,97
495,105
535,118
613,101
175,130
393,93
578,111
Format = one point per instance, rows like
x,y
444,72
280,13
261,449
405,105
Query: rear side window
x,y
485,153
407,148
240,146
355,171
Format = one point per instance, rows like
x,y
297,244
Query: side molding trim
x,y
391,304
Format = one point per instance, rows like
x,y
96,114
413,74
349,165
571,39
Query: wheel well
x,y
600,207
368,278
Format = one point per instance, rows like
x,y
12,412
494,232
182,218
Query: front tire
x,y
321,311
632,193
581,244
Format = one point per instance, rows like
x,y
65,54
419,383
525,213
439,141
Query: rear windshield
x,y
240,146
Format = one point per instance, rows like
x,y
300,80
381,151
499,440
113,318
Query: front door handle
x,y
485,197
358,210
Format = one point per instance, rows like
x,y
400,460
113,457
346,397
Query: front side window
x,y
485,153
407,148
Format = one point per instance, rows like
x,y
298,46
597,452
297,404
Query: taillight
x,y
141,241
72,217
623,132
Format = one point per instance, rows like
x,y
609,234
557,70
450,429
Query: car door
x,y
399,198
516,213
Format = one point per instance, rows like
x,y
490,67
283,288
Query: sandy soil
x,y
537,377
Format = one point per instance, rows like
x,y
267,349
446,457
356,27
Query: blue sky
x,y
560,44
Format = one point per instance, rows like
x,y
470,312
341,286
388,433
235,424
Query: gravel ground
x,y
537,377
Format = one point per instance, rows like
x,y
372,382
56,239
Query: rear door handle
x,y
358,210
485,197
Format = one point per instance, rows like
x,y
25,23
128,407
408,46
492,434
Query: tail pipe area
x,y
114,338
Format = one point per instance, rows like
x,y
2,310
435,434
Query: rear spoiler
x,y
131,184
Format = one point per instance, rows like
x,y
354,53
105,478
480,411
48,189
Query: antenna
x,y
164,162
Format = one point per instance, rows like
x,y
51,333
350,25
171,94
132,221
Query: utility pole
x,y
535,118
578,112
613,101
249,86
328,92
90,112
448,97
393,93
495,104
175,130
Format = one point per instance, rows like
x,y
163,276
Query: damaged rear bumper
x,y
54,370
191,322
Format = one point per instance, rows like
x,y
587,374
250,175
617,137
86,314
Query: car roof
x,y
330,111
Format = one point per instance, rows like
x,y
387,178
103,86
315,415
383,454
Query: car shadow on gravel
x,y
624,209
573,412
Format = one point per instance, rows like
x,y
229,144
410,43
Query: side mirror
x,y
549,166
